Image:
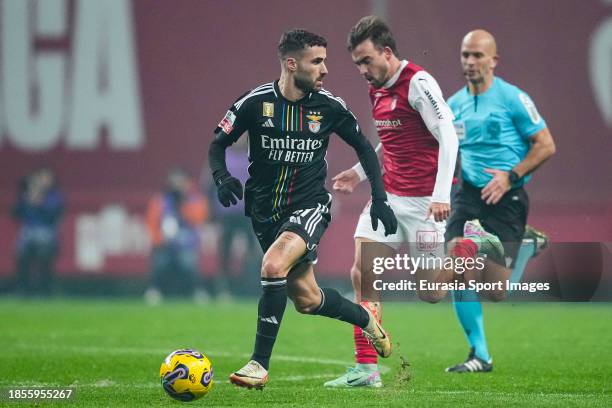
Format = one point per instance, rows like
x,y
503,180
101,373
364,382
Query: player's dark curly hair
x,y
295,41
374,29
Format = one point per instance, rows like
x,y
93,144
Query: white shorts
x,y
425,236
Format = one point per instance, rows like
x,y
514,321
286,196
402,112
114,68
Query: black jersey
x,y
287,147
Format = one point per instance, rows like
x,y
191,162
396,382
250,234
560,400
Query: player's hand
x,y
440,211
229,190
346,181
497,187
381,210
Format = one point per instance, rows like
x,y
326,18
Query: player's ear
x,y
387,52
291,64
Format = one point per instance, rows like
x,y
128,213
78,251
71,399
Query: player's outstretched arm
x,y
227,132
229,188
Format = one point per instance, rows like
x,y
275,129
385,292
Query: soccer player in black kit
x,y
289,123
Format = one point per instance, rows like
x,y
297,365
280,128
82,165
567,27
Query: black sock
x,y
270,314
337,307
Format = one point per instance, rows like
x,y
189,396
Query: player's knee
x,y
273,268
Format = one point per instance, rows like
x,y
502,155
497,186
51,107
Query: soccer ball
x,y
186,375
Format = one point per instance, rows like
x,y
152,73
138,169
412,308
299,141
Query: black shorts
x,y
309,223
506,219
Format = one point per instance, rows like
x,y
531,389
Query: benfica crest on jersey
x,y
314,121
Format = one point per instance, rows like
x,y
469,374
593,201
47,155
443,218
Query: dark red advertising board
x,y
113,93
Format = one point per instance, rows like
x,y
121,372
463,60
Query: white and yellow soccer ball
x,y
186,375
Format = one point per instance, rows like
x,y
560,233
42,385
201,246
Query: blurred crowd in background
x,y
175,217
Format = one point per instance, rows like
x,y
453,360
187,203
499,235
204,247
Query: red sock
x,y
364,352
465,248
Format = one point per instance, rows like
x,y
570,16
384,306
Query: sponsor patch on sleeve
x,y
432,99
227,123
530,108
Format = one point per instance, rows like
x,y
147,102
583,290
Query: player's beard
x,y
303,83
379,83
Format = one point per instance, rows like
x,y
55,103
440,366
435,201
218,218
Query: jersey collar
x,y
395,76
493,85
280,96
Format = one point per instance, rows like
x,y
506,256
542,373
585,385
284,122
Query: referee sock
x,y
526,251
337,307
270,312
469,312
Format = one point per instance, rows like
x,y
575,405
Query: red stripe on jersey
x,y
291,186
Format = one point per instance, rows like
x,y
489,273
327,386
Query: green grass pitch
x,y
111,352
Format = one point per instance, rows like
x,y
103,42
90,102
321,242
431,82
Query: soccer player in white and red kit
x,y
419,147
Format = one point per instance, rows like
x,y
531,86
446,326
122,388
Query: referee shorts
x,y
506,219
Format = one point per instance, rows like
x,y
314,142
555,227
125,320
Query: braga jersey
x,y
409,104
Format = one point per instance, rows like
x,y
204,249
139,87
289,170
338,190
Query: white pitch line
x,y
163,352
107,383
508,394
305,377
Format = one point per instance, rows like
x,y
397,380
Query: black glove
x,y
229,190
381,210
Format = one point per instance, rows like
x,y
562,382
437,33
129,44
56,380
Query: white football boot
x,y
252,375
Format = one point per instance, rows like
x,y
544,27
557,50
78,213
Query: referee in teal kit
x,y
502,141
